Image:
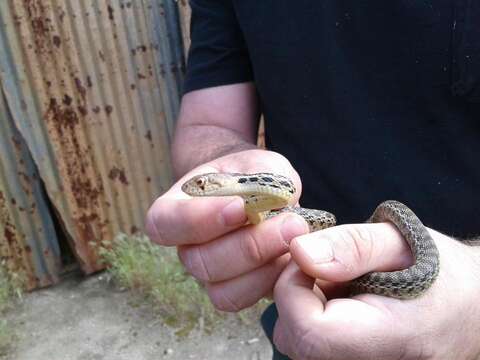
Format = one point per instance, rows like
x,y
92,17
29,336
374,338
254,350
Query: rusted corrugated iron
x,y
29,246
93,88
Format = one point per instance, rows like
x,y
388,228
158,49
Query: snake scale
x,y
267,195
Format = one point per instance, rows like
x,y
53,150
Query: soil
x,y
89,319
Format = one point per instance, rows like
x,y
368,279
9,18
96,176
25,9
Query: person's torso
x,y
373,100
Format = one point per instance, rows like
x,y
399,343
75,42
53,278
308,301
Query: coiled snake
x,y
267,195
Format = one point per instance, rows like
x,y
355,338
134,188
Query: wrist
x,y
460,288
204,145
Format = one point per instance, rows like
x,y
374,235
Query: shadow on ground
x,y
88,319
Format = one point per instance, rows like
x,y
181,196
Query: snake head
x,y
211,184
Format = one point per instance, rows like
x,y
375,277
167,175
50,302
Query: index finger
x,y
176,219
174,222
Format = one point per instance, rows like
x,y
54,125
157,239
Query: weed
x,y
10,289
156,273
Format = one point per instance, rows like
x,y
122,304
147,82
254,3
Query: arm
x,y
216,132
237,264
214,122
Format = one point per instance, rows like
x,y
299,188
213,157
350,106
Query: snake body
x,y
267,195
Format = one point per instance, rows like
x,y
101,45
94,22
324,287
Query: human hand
x,y
321,322
237,264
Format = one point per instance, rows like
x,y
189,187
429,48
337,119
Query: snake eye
x,y
200,182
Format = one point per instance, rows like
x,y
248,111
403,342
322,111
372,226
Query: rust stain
x,y
64,118
86,219
141,48
77,170
56,40
41,24
81,89
127,5
84,192
9,234
162,70
108,109
25,182
61,16
67,100
134,229
17,143
110,13
82,110
148,135
118,174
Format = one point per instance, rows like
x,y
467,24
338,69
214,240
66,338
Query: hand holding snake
x,y
239,264
266,195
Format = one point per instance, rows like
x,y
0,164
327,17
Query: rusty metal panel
x,y
93,87
28,242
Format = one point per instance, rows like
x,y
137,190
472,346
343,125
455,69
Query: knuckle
x,y
304,344
153,224
360,242
188,222
150,226
251,248
194,261
301,346
219,296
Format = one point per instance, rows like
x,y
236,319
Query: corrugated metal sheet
x,y
93,88
29,247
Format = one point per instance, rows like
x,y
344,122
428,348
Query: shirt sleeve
x,y
218,54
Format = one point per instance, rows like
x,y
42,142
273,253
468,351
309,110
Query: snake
x,y
266,195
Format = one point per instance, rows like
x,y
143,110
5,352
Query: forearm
x,y
214,122
197,144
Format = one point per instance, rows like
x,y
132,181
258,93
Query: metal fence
x,y
89,95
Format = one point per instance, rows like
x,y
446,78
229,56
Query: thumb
x,y
345,252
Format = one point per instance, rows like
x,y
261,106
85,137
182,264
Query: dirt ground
x,y
88,319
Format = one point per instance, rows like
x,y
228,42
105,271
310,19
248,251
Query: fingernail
x,y
293,226
317,248
233,213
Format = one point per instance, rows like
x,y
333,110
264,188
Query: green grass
x,y
10,289
156,275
